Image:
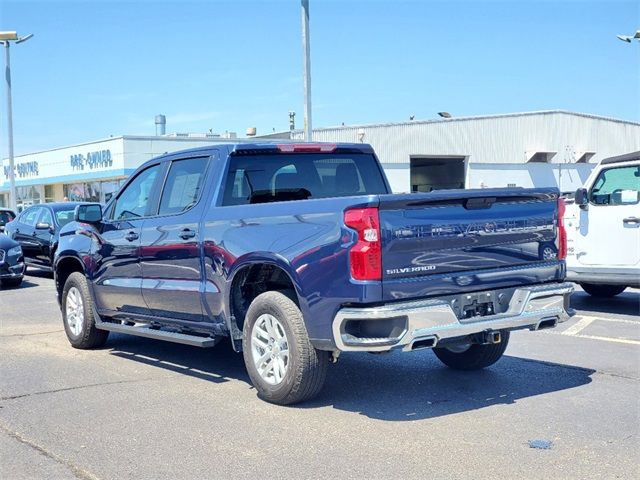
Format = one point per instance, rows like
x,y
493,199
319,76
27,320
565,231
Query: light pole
x,y
5,39
628,38
308,132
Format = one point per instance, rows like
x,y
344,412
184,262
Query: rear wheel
x,y
473,356
78,314
602,291
282,364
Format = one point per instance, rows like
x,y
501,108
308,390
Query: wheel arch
x,y
64,267
251,276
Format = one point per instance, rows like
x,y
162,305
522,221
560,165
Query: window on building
x,y
49,195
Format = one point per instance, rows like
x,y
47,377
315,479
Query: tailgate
x,y
457,232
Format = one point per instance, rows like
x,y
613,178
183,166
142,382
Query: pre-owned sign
x,y
24,169
99,159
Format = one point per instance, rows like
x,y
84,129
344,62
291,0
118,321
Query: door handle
x,y
187,234
631,220
131,236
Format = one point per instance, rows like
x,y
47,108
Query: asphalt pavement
x,y
562,403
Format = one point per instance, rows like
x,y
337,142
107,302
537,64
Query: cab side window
x,y
46,217
183,186
616,186
30,216
133,202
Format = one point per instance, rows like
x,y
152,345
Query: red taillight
x,y
561,239
366,255
307,147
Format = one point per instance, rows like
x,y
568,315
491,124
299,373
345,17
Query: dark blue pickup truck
x,y
298,252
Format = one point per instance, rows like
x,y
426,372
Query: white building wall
x,y
496,147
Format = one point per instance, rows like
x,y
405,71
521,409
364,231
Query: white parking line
x,y
614,320
586,320
581,324
611,339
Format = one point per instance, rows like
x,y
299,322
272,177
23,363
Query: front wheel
x,y
473,356
602,291
78,314
283,365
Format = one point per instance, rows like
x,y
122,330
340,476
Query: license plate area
x,y
471,306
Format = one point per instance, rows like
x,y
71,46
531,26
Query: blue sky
x,y
95,68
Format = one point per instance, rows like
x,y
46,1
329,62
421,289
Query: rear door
x,y
170,252
118,282
454,235
609,228
43,236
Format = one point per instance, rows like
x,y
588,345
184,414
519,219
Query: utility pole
x,y
308,132
5,39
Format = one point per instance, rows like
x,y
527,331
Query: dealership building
x,y
535,149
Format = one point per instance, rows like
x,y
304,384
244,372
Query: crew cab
x,y
603,228
298,252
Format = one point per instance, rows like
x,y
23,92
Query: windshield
x,y
64,216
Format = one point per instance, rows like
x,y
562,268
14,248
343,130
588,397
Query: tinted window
x,y
134,200
30,216
616,186
183,186
46,217
5,217
275,178
64,216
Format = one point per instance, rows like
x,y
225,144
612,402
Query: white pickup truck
x,y
603,228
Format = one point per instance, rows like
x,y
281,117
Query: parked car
x,y
6,216
11,262
37,228
298,252
603,228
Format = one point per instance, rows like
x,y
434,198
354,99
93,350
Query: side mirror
x,y
42,226
582,198
88,213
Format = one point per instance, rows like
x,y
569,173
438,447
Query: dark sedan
x,y
6,216
37,230
11,262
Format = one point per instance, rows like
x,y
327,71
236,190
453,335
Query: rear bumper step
x,y
428,322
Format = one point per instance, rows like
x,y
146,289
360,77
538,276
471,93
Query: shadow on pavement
x,y
626,303
393,387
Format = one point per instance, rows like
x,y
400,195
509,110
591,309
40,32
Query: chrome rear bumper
x,y
432,321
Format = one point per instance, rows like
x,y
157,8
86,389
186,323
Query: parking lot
x,y
138,408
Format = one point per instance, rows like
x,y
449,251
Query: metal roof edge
x,y
477,117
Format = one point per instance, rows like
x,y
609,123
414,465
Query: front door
x,y
609,231
24,233
118,281
170,253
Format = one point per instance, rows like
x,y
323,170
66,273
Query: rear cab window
x,y
286,177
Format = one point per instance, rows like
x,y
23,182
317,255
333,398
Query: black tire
x,y
11,282
602,291
307,367
476,356
89,336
